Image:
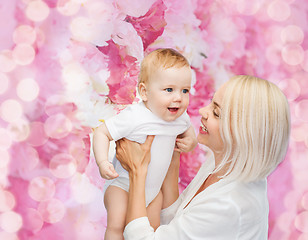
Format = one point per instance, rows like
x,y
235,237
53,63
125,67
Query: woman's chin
x,y
200,139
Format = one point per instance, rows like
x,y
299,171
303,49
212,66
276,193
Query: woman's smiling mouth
x,y
203,128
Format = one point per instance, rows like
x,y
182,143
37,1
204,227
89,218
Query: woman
x,y
247,127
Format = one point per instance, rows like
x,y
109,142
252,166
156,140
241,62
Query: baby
x,y
164,85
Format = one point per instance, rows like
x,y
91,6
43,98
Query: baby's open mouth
x,y
173,109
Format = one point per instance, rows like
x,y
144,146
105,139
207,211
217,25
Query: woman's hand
x,y
133,156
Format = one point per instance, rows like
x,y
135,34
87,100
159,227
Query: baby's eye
x,y
185,90
169,89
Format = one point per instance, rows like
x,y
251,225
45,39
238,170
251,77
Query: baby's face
x,y
168,92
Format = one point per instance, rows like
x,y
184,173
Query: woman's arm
x,y
207,217
170,187
135,158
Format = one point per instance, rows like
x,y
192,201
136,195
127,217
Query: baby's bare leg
x,y
153,210
115,201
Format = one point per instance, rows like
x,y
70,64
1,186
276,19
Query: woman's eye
x,y
185,90
216,114
169,89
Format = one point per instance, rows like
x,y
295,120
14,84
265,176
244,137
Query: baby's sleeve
x,y
122,124
186,118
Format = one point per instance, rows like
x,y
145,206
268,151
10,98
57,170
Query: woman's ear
x,y
143,91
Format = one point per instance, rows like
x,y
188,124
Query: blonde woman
x,y
247,127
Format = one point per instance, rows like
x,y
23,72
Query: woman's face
x,y
209,134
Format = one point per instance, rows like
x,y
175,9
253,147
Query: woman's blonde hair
x,y
162,58
255,127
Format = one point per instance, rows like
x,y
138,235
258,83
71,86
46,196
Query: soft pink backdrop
x,y
65,64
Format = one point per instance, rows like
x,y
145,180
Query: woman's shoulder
x,y
255,191
251,200
244,197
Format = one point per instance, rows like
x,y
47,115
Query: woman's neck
x,y
223,170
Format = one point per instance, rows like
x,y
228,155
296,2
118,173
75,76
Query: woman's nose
x,y
203,112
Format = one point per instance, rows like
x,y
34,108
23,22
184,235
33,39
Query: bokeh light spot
x,y
77,150
303,236
7,201
301,110
52,210
301,222
292,34
4,158
10,221
82,29
62,165
4,83
291,88
289,199
100,10
19,130
58,126
304,64
248,7
11,110
304,201
24,34
7,63
8,236
299,132
41,188
33,220
292,54
23,54
285,220
68,7
279,11
5,139
27,89
273,54
37,10
32,159
37,136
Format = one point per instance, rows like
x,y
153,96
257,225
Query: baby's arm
x,y
101,142
186,141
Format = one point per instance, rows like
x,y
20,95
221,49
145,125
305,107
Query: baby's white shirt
x,y
135,123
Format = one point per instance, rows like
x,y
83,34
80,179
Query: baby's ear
x,y
143,91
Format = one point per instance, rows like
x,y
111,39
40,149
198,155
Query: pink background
x,y
65,64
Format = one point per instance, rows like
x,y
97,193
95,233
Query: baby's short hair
x,y
162,58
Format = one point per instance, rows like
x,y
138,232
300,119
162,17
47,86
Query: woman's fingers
x,y
120,149
148,142
132,154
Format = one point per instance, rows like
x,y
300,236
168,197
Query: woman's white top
x,y
224,210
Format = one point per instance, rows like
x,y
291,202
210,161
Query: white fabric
x,y
135,123
225,210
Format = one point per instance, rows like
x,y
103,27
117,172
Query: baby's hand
x,y
107,171
186,141
185,144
